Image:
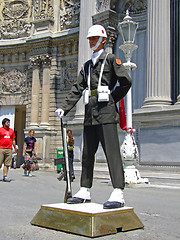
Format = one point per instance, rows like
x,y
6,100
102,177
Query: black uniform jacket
x,y
100,112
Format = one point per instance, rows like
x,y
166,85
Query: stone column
x,y
56,15
46,61
1,73
112,36
35,62
84,51
177,6
179,56
158,54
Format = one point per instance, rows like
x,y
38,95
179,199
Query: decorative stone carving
x,y
103,5
38,60
69,14
13,24
134,6
15,10
35,61
2,71
13,82
66,74
112,36
43,9
15,29
46,59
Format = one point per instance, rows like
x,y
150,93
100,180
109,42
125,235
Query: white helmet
x,y
97,30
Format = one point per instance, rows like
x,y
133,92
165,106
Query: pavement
x,y
156,204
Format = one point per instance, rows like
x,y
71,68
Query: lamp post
x,y
129,150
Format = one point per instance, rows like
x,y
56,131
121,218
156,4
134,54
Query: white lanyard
x,y
88,82
102,69
100,75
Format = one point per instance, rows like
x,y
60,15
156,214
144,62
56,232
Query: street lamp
x,y
128,29
129,150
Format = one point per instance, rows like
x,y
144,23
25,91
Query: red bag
x,y
122,115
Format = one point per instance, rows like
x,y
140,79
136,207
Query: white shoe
x,y
29,174
83,193
117,196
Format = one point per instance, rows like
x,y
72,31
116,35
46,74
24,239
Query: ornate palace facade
x,y
42,47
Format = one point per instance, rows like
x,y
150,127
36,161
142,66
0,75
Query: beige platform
x,y
88,219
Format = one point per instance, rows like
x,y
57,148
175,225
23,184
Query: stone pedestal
x,y
88,219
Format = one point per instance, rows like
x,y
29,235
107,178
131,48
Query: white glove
x,y
59,112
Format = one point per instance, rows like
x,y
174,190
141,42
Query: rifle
x,y
65,163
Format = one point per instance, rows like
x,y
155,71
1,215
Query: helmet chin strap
x,y
97,44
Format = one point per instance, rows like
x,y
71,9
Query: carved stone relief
x,y
66,74
15,9
14,22
46,60
134,6
13,81
1,71
103,5
38,60
35,61
69,14
43,9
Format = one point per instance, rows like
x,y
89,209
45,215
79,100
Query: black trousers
x,y
107,135
71,160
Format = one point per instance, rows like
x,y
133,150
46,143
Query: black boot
x,y
75,200
111,205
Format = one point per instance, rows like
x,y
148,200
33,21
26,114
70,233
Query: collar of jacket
x,y
100,58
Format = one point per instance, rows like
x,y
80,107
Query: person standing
x,y
70,145
30,154
103,81
7,139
